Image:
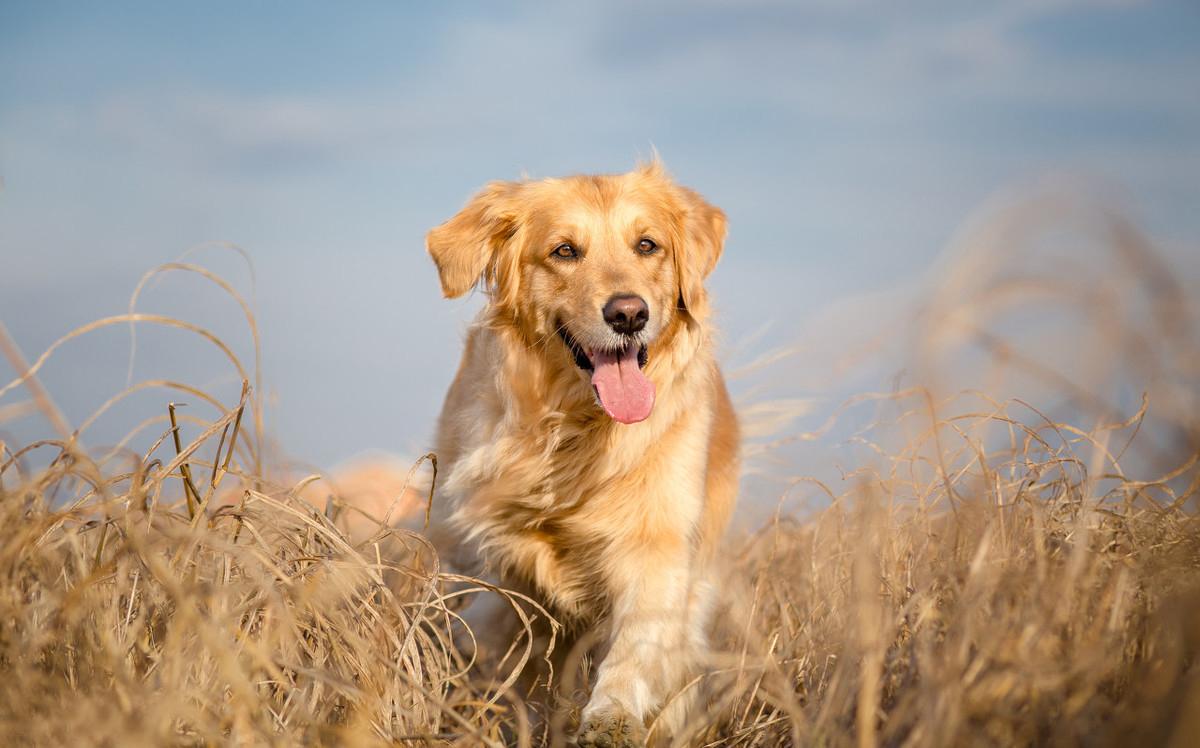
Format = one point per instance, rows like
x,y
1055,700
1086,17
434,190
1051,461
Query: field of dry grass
x,y
991,576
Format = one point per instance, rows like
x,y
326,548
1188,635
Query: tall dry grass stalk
x,y
991,576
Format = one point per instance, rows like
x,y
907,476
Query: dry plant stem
x,y
193,496
218,473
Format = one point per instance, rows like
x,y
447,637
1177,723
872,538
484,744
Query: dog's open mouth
x,y
617,379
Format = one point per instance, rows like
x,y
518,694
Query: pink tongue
x,y
624,391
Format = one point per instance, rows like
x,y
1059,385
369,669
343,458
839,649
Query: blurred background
x,y
857,148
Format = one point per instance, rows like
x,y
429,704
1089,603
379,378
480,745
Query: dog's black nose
x,y
626,314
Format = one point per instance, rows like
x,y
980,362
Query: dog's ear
x,y
704,238
465,248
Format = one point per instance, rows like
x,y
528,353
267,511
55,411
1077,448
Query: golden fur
x,y
601,520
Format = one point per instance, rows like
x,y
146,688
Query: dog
x,y
588,445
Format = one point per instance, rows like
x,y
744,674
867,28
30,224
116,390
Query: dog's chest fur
x,y
544,501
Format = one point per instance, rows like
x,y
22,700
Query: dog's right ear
x,y
465,247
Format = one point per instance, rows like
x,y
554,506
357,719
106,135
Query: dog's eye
x,y
647,246
566,251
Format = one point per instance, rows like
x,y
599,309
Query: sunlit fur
x,y
602,521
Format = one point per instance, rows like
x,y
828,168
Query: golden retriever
x,y
589,447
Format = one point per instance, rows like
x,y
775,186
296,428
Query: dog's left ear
x,y
466,248
704,239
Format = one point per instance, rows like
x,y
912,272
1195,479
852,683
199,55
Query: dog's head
x,y
595,271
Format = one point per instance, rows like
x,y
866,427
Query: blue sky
x,y
847,141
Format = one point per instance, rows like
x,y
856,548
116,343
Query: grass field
x,y
992,576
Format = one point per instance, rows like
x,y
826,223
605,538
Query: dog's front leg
x,y
653,643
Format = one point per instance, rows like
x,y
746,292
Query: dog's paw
x,y
611,730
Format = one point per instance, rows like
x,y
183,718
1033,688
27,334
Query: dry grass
x,y
990,576
972,597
